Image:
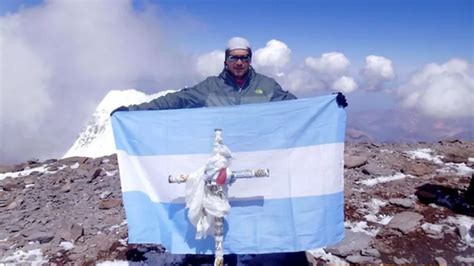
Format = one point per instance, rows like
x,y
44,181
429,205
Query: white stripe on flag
x,y
297,172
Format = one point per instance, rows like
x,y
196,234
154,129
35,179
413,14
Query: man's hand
x,y
341,100
120,109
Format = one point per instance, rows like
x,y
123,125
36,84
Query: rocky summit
x,y
404,203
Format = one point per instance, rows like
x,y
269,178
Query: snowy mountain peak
x,y
97,138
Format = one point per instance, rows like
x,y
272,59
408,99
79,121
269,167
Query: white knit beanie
x,y
238,43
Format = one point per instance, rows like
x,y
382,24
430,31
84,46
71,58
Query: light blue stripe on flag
x,y
266,126
258,225
299,207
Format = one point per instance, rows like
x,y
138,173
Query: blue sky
x,y
409,32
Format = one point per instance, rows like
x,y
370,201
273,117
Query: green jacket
x,y
220,91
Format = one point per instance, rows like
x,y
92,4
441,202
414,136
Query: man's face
x,y
238,62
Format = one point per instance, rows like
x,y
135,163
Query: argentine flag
x,y
299,207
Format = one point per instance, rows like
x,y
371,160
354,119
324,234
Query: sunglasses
x,y
235,58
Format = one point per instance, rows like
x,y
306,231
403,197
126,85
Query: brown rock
x,y
29,180
110,203
11,185
352,243
5,245
359,259
353,161
52,168
36,173
95,174
7,168
456,156
5,199
76,231
418,168
405,221
402,202
66,187
71,232
41,237
17,202
74,159
101,242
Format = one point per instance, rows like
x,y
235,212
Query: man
x,y
237,84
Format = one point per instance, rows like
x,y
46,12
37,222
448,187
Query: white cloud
x,y
345,84
274,56
210,64
322,73
301,81
333,63
442,91
27,91
61,57
377,70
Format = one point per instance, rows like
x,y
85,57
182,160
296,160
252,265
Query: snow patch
x,y
361,227
111,173
426,154
464,224
471,160
320,253
435,228
31,257
66,245
59,169
113,227
74,166
113,263
464,259
123,242
375,204
41,169
378,218
456,169
372,209
383,179
451,168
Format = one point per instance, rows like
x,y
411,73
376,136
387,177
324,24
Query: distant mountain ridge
x,y
405,126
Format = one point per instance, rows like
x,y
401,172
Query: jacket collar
x,y
229,78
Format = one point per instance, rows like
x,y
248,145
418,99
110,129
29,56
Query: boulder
x,y
352,243
405,221
354,161
359,259
456,155
418,168
109,203
377,170
41,237
66,187
11,185
402,202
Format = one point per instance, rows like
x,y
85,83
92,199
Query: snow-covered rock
x,y
97,137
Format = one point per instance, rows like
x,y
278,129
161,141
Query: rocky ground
x,y
69,211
